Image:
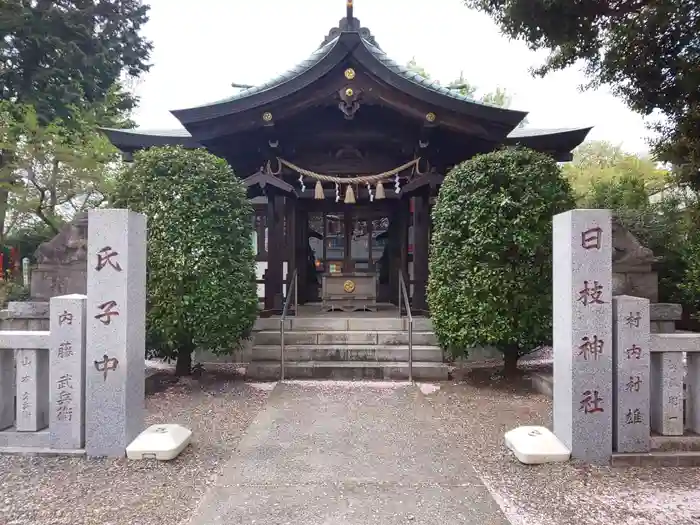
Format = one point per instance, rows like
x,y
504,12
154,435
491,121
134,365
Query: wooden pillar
x,y
302,251
393,256
291,242
421,247
275,256
403,216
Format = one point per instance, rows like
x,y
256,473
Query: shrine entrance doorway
x,y
346,241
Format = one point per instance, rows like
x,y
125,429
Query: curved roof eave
x,y
400,77
136,138
364,50
561,139
318,64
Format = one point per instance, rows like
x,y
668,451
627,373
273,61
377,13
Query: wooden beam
x,y
430,181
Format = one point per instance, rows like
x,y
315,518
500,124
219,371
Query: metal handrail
x,y
403,295
291,292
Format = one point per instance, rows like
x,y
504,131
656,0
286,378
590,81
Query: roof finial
x,y
349,14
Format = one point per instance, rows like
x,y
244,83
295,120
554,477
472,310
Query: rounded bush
x,y
491,252
201,266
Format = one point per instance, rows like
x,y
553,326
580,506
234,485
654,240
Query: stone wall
x,y
31,316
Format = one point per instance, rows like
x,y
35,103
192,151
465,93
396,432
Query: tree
x,y
59,56
54,171
500,97
463,86
597,163
491,252
201,267
647,52
66,60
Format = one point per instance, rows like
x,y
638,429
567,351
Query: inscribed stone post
x,y
67,372
667,398
32,389
631,356
583,403
116,310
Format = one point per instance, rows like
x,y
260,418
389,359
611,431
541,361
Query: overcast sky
x,y
201,46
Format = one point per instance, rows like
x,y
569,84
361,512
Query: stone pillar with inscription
x,y
67,372
582,319
116,313
32,389
631,356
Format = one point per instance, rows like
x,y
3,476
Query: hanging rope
x,y
363,179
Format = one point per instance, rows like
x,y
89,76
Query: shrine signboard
x,y
582,319
116,311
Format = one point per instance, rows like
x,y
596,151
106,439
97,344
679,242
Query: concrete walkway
x,y
355,454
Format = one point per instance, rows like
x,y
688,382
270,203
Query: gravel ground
x,y
76,491
480,409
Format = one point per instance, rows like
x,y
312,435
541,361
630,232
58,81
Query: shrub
x,y
491,252
201,274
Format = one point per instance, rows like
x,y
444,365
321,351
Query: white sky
x,y
201,46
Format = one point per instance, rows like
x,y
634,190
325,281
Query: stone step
x,y
347,370
335,353
293,337
344,324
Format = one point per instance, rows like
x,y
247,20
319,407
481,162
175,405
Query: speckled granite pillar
x,y
67,372
583,396
115,350
631,356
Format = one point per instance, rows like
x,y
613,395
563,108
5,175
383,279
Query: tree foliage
x,y
201,267
62,56
647,52
53,171
598,165
500,97
491,252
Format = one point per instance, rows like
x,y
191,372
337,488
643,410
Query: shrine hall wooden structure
x,y
345,111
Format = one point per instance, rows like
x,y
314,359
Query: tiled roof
x,y
297,70
537,132
414,77
174,133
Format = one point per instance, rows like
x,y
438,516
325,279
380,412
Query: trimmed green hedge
x,y
201,266
491,252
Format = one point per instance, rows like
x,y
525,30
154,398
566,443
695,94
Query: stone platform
x,y
338,345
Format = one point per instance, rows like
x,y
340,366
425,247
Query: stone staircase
x,y
346,348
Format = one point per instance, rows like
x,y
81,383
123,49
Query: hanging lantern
x,y
349,195
318,194
380,191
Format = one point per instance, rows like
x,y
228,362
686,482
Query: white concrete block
x,y
534,445
162,442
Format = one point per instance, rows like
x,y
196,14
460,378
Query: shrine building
x,y
343,156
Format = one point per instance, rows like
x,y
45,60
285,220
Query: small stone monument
x,y
116,326
583,364
67,360
631,356
632,265
32,389
61,263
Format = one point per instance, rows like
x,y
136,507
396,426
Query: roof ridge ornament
x,y
349,24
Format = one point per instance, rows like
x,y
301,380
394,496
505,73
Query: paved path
x,y
347,455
